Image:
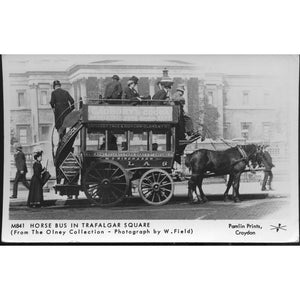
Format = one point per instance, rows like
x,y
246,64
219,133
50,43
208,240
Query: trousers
x,y
19,177
267,178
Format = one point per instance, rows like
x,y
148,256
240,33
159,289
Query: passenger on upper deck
x,y
114,89
163,93
130,91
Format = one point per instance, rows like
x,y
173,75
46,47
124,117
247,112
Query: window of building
x,y
45,132
226,130
245,129
210,97
21,99
245,98
44,96
266,131
266,98
23,135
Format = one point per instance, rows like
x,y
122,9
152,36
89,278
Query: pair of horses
x,y
232,161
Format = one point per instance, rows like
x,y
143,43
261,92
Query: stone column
x,y
152,81
33,94
186,95
83,90
101,86
201,100
219,102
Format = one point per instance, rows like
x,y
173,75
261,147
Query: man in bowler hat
x,y
113,89
20,162
62,104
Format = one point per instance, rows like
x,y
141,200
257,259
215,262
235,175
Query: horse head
x,y
253,152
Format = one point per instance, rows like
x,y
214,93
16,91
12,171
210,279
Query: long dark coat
x,y
63,104
35,196
161,95
130,94
20,161
113,90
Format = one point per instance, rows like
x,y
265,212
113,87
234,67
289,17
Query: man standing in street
x,y
20,162
268,164
62,104
114,89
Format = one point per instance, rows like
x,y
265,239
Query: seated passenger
x,y
130,92
114,89
112,143
124,146
163,93
154,147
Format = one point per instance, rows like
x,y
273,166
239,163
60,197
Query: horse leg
x,y
226,198
192,183
236,184
202,198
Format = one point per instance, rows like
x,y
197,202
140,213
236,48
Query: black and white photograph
x,y
151,148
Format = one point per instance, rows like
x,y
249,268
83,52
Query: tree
x,y
211,116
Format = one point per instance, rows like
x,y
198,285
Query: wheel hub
x,y
105,183
155,187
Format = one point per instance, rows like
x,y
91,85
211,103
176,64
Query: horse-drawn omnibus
x,y
121,142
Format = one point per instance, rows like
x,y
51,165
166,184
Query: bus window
x,y
95,139
138,141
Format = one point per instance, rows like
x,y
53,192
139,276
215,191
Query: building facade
x,y
247,105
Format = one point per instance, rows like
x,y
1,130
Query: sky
x,y
277,65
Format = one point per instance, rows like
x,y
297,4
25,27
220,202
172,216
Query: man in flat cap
x,y
113,89
21,166
62,104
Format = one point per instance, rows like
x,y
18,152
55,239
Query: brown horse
x,y
232,161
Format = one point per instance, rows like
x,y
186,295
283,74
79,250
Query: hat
x,y
130,81
18,146
134,79
116,77
55,83
180,88
37,154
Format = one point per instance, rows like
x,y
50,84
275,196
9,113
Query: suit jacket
x,y
130,94
161,95
113,90
20,161
63,104
267,161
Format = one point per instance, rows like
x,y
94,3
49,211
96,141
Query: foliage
x,y
211,116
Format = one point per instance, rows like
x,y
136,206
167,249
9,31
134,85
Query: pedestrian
x,y
268,164
130,92
62,104
20,162
113,89
35,196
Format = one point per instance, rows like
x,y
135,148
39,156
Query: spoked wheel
x,y
106,183
156,187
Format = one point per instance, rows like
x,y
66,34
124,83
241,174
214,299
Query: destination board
x,y
109,113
